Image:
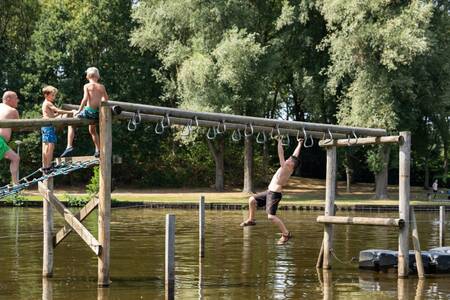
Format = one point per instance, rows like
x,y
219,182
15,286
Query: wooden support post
x,y
70,219
170,257
327,285
47,267
201,226
47,288
441,226
404,195
329,205
104,195
416,244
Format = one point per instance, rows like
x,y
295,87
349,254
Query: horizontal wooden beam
x,y
71,220
396,139
33,124
232,126
75,159
361,221
237,119
81,215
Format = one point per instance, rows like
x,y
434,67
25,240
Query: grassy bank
x,y
300,191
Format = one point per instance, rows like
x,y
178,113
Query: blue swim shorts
x,y
48,134
88,113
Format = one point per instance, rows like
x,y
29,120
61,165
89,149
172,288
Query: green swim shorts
x,y
3,147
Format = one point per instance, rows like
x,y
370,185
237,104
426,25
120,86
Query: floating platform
x,y
436,260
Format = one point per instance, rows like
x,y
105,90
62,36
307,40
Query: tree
x,y
372,46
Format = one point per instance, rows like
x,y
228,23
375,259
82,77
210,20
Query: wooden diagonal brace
x,y
71,220
81,215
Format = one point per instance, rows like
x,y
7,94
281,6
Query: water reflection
x,y
47,289
238,264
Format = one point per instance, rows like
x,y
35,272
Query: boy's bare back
x,y
7,112
95,93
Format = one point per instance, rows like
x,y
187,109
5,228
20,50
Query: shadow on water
x,y
238,263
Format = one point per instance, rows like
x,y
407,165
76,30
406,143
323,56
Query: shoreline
x,y
240,206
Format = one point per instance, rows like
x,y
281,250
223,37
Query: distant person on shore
x,y
8,110
435,188
93,94
272,197
49,111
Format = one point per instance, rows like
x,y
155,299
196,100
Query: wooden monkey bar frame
x,y
101,245
406,215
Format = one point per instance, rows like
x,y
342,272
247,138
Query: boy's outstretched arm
x,y
296,152
83,101
105,96
280,152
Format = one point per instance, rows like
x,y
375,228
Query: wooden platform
x,y
75,159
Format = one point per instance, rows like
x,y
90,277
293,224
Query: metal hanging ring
x,y
137,117
167,121
236,136
157,126
246,133
356,138
305,144
224,127
264,138
187,126
288,141
214,134
132,125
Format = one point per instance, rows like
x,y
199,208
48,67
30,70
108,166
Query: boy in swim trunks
x,y
272,197
8,110
49,111
94,94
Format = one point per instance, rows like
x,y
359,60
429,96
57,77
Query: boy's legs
x,y
14,165
277,221
251,209
95,138
48,149
70,138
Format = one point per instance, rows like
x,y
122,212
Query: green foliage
x,y
76,201
15,199
93,186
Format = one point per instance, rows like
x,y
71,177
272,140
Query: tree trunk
x,y
217,153
266,162
426,181
381,178
445,162
349,173
248,165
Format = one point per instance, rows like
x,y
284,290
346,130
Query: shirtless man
x,y
49,111
272,196
94,94
8,110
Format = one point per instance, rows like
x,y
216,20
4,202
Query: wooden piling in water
x,y
104,195
201,226
404,195
47,262
441,226
416,245
170,257
329,206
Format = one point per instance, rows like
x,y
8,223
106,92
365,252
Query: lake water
x,y
238,264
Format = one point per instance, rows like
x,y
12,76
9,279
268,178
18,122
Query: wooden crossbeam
x,y
362,141
71,220
81,215
75,159
361,221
